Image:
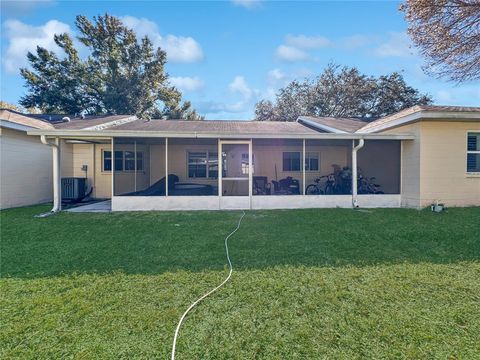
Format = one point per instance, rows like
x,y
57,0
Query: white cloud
x,y
211,107
291,54
23,38
355,41
249,4
186,83
307,42
179,49
397,45
239,85
275,76
234,109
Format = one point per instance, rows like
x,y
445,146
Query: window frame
x,y
208,164
477,152
300,161
112,163
308,158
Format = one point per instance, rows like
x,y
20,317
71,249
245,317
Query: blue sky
x,y
226,55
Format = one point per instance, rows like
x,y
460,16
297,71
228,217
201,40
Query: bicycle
x,y
329,186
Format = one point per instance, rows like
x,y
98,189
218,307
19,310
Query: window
x,y
129,160
311,161
473,152
124,161
203,164
291,161
107,161
245,164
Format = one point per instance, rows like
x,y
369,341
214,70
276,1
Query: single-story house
x,y
25,163
413,158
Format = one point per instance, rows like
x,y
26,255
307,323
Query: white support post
x,y
303,168
250,172
354,170
57,177
166,166
57,171
220,168
135,166
113,166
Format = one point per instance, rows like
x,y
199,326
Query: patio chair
x,y
286,186
261,186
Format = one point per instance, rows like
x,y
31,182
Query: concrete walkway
x,y
102,206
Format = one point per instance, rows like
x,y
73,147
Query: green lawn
x,y
332,284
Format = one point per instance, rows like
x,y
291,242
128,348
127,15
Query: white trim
x,y
135,165
323,127
401,168
113,166
470,173
207,151
236,202
250,171
303,166
417,116
14,126
142,170
111,123
212,135
220,168
166,166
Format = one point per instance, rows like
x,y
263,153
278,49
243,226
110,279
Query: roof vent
x,y
66,119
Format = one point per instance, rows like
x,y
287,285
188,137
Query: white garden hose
x,y
211,291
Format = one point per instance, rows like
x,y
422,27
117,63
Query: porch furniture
x,y
287,186
189,189
158,188
261,186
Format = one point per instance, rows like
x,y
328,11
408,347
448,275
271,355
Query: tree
x,y
121,75
447,33
9,106
265,110
341,92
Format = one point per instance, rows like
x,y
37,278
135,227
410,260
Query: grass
x,y
331,284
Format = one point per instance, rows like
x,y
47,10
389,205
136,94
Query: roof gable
x,y
422,112
332,124
23,119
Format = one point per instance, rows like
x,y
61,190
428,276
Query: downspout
x,y
57,196
361,142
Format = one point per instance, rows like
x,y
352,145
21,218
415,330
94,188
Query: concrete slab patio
x,y
102,206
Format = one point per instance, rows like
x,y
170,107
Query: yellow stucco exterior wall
x,y
434,164
26,170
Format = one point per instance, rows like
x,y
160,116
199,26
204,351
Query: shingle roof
x,y
343,124
385,121
23,119
77,123
217,126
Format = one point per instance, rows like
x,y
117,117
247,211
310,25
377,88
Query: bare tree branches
x,y
447,34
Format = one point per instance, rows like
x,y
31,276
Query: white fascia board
x,y
14,126
323,127
110,124
157,134
423,115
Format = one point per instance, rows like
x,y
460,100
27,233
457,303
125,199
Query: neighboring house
x,y
26,164
420,155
